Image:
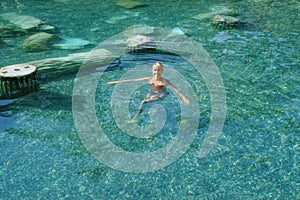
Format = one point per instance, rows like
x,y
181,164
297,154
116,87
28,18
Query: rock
x,y
175,32
71,43
128,3
224,21
9,30
27,23
140,43
39,42
139,29
22,21
219,10
46,28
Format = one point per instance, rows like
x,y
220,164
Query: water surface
x,y
257,155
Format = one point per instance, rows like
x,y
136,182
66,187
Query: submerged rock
x,y
46,28
128,3
175,32
139,29
127,14
9,30
220,10
71,43
140,43
224,21
220,17
23,21
27,23
39,42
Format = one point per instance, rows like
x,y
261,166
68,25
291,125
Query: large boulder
x,y
39,42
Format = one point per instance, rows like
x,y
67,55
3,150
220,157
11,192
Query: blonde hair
x,y
158,64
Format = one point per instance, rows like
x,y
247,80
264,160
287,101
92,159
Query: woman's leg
x,y
151,98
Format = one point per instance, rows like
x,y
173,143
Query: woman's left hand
x,y
185,101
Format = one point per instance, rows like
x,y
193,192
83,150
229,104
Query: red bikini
x,y
158,86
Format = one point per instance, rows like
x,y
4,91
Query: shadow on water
x,y
41,99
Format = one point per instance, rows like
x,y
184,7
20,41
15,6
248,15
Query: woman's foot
x,y
133,120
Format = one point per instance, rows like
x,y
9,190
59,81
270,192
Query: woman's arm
x,y
183,98
129,80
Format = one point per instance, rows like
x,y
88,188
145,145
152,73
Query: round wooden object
x,y
18,70
17,80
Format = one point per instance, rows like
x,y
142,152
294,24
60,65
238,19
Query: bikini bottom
x,y
159,94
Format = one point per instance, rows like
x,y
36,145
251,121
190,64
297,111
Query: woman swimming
x,y
158,86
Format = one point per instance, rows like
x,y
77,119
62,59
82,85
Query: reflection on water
x,y
257,155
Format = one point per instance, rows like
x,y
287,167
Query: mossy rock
x,y
39,42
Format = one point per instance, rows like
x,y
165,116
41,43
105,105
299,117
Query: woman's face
x,y
157,71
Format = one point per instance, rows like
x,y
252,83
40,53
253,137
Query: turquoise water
x,y
257,154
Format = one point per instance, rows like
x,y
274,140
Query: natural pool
x,y
257,154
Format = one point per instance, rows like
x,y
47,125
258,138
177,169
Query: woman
x,y
158,86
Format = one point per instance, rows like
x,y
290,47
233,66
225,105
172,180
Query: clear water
x,y
257,155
